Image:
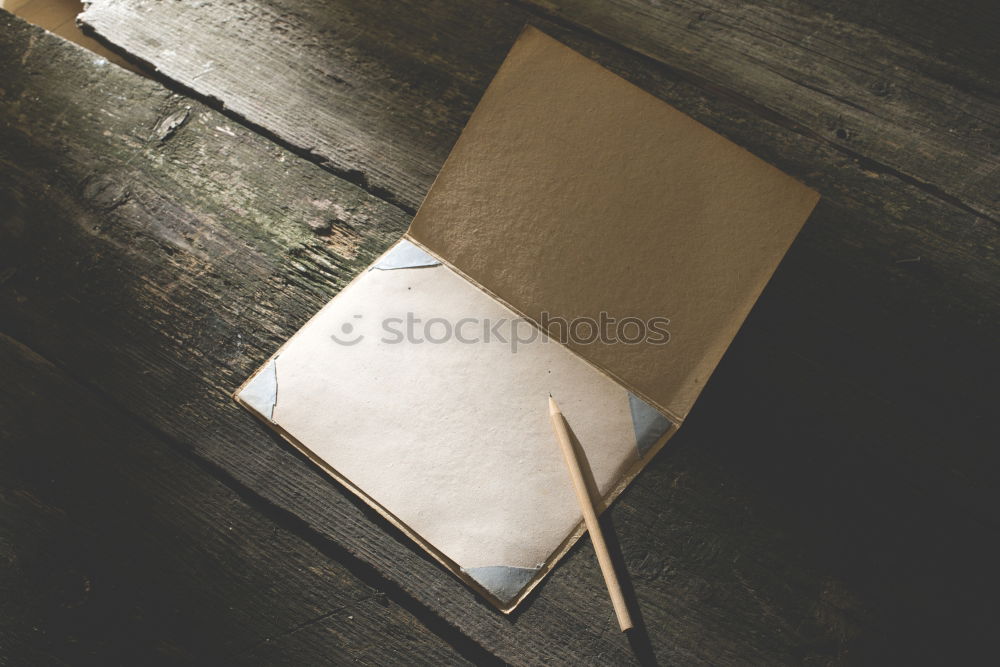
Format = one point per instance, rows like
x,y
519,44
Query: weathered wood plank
x,y
181,263
160,261
857,88
958,40
117,549
746,543
893,254
359,83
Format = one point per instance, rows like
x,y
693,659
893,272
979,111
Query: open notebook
x,y
583,239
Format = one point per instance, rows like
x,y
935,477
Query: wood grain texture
x,y
170,251
840,510
900,249
116,549
358,83
866,93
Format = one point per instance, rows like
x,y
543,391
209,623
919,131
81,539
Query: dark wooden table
x,y
832,499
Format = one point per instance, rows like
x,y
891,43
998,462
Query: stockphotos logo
x,y
514,332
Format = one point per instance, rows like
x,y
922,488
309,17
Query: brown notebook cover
x,y
571,196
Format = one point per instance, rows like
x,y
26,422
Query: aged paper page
x,y
572,192
444,424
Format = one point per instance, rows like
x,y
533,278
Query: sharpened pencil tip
x,y
553,408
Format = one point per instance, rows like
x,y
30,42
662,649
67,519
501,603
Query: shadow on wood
x,y
638,634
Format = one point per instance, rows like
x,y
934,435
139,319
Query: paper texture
x,y
573,192
449,432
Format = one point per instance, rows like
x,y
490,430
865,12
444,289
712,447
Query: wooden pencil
x,y
589,515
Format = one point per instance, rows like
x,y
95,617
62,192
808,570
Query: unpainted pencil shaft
x,y
590,515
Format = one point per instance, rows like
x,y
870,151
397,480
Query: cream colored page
x,y
452,438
